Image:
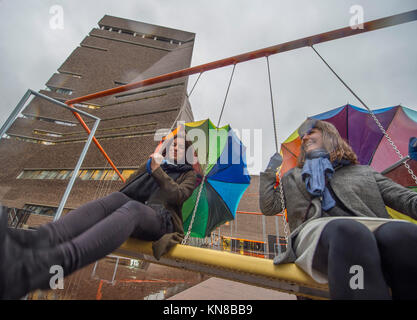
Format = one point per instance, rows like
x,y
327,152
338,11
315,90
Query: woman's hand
x,y
274,163
156,160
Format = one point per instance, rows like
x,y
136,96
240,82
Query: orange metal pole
x,y
97,144
287,46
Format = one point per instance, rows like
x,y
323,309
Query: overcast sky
x,y
381,66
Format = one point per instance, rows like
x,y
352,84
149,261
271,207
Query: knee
x,y
119,197
114,200
349,231
138,209
396,234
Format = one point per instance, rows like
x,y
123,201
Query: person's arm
x,y
396,196
175,193
269,197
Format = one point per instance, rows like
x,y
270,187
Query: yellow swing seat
x,y
256,271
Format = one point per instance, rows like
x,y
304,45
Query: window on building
x,y
88,106
86,174
51,174
97,174
47,133
111,175
42,210
127,173
34,174
63,174
63,91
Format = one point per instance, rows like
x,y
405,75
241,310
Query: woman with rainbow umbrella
x,y
341,232
219,158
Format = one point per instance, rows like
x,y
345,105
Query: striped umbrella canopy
x,y
220,161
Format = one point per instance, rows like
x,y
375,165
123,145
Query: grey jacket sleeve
x,y
396,196
269,198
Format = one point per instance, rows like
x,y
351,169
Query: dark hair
x,y
334,144
187,145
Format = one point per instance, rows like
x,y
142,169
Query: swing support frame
x,y
265,52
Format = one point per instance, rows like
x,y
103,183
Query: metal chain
x,y
227,92
187,236
284,220
410,171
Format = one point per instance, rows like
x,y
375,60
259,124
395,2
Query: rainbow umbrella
x,y
358,128
221,165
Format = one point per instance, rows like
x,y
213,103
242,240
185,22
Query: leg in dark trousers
x,y
346,248
84,217
72,224
397,243
29,269
110,233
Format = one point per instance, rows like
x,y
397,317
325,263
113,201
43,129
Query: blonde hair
x,y
334,144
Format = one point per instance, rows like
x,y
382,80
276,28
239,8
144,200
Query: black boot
x,y
24,269
39,238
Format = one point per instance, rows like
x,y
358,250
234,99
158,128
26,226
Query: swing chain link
x,y
284,220
187,236
410,171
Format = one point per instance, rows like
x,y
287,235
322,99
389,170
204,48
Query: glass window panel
x,y
87,175
42,174
81,173
127,173
116,177
109,175
69,175
62,174
21,175
51,174
29,174
96,175
105,172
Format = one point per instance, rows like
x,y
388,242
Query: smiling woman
x,y
318,135
338,220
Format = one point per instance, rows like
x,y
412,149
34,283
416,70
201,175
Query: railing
x,y
19,108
